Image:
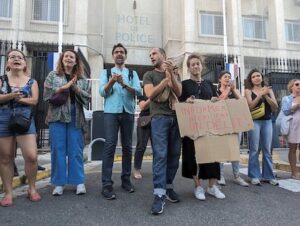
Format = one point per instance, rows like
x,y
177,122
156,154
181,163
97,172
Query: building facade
x,y
253,33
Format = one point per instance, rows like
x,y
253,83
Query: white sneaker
x,y
58,191
80,189
215,191
274,182
222,181
255,181
241,181
199,193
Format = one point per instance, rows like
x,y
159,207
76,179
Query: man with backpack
x,y
118,86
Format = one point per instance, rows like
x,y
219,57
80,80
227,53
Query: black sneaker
x,y
172,196
127,186
108,192
41,168
158,205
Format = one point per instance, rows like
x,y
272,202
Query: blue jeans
x,y
235,168
261,135
234,164
166,145
66,141
112,123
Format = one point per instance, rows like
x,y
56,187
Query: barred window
x,y
254,28
5,8
211,24
46,10
292,31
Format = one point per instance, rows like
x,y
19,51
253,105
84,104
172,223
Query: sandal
x,y
33,197
6,202
137,174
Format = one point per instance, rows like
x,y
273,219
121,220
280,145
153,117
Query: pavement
x,y
280,162
254,205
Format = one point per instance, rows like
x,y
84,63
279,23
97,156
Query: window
x,y
292,31
254,28
5,8
211,24
46,10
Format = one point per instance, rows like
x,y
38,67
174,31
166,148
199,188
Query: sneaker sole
x,y
216,196
172,200
110,198
57,194
202,199
160,212
129,191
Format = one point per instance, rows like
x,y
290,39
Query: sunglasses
x,y
296,84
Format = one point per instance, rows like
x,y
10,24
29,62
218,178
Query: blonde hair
x,y
291,83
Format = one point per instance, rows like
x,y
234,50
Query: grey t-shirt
x,y
155,77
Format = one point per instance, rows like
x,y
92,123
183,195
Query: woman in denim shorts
x,y
18,93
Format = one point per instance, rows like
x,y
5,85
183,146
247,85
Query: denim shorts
x,y
5,114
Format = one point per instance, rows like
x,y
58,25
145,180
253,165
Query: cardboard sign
x,y
214,127
208,118
217,148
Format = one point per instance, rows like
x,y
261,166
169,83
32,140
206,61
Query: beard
x,y
120,61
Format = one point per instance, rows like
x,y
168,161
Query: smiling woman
x,y
66,121
18,93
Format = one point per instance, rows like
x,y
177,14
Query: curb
x,y
21,180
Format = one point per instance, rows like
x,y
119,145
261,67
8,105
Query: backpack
x,y
130,74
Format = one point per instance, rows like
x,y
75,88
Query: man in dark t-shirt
x,y
159,85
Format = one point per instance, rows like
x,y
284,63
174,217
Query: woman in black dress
x,y
197,88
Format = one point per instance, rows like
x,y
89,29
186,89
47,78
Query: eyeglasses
x,y
296,84
15,57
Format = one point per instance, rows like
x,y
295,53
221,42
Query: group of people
x,y
119,86
18,95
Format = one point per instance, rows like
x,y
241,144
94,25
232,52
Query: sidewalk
x,y
44,159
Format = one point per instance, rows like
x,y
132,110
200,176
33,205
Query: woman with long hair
x,y
227,90
18,93
66,121
197,88
260,97
291,106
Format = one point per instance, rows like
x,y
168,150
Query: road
x,y
264,205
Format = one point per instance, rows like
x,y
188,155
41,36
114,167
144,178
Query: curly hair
x,y
249,78
77,69
192,56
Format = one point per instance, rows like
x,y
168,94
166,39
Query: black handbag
x,y
19,123
144,121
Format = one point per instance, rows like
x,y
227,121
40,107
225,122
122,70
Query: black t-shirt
x,y
72,93
203,89
230,96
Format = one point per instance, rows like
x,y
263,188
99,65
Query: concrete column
x,y
189,20
276,22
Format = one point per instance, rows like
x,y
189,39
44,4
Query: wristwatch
x,y
125,86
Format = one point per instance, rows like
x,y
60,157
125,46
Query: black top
x,y
268,110
230,96
72,93
203,89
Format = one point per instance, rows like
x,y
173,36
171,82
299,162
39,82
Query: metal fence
x,y
37,61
